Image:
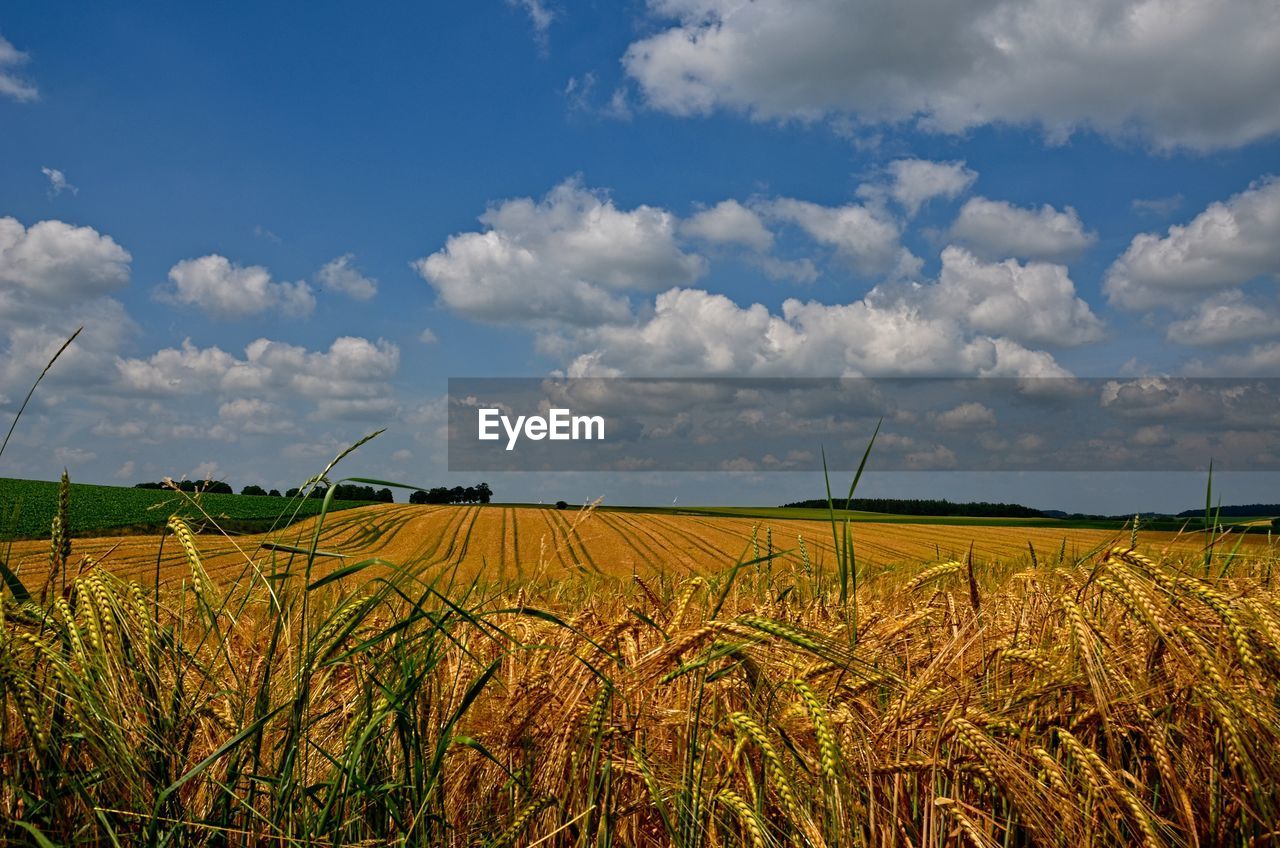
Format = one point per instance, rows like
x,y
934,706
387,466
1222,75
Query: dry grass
x,y
1111,699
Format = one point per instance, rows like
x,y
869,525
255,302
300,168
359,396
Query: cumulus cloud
x,y
862,234
53,261
1228,244
1034,303
1186,73
729,222
55,277
995,229
352,368
223,289
340,275
1225,318
693,332
11,83
58,182
917,181
1260,360
571,257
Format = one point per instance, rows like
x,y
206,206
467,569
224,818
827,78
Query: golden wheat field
x,y
521,542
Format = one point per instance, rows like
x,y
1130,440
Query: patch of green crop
x,y
27,508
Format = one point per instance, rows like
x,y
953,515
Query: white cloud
x,y
693,332
351,368
225,290
126,470
1261,360
428,336
339,275
58,182
12,85
54,277
995,229
864,235
1034,303
570,258
1226,245
917,181
966,416
53,261
1223,319
729,222
1174,72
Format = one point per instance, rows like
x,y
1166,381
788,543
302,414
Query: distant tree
x,y
257,491
149,486
384,496
318,492
275,493
351,492
480,493
292,493
561,505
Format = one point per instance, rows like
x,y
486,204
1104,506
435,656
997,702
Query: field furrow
x,y
503,541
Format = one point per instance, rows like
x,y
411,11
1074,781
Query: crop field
x,y
497,676
27,508
498,542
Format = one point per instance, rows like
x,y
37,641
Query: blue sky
x,y
286,226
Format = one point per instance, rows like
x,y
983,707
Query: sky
x,y
284,226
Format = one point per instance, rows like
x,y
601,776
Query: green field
x,y
27,508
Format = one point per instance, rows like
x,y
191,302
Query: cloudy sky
x,y
285,227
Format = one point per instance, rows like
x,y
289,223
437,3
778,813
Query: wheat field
x,y
1026,696
501,542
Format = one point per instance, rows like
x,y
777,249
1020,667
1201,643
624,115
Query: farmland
x,y
522,676
27,507
500,542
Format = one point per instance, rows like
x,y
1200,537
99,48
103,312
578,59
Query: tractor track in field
x,y
504,540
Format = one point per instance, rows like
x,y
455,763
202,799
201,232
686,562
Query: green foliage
x,y
479,493
29,507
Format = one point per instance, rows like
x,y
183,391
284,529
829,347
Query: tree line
x,y
900,506
342,492
480,493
